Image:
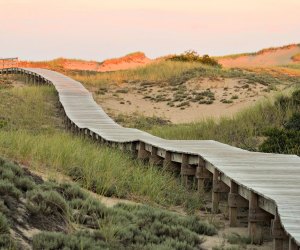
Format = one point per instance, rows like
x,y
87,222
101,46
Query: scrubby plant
x,y
4,225
237,239
9,189
46,203
193,56
55,240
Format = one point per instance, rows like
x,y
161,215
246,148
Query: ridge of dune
x,y
129,61
266,57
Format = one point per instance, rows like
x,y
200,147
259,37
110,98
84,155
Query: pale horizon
x,y
97,29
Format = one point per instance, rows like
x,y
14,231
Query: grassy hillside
x,y
176,73
64,216
31,132
245,130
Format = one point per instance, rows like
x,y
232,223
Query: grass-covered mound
x,y
32,133
64,216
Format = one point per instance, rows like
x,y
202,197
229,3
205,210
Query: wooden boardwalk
x,y
267,185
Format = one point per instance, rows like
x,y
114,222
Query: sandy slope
x,y
266,57
127,62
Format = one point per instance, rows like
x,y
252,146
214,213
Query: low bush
x,y
9,189
193,56
4,226
237,239
46,203
55,240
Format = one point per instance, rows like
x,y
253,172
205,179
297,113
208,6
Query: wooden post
x,y
256,215
168,164
143,154
278,234
233,208
154,158
133,149
184,164
186,170
215,192
292,244
252,227
201,174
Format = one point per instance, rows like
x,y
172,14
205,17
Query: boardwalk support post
x,y
143,154
186,170
232,204
154,158
218,187
235,201
168,164
133,149
256,216
292,244
255,231
278,234
202,174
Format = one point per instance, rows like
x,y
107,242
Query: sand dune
x,y
127,62
266,57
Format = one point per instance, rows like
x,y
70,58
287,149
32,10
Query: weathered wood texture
x,y
273,178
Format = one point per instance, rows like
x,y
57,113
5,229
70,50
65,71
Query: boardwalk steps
x,y
268,185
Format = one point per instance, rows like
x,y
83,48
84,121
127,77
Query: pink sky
x,y
100,29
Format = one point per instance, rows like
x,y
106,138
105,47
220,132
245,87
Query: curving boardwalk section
x,y
268,184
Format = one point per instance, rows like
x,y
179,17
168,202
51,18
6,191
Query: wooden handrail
x,y
6,63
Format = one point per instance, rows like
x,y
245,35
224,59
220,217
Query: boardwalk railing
x,y
267,186
6,63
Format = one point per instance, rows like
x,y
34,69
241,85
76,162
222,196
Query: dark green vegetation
x,y
67,217
31,132
285,139
193,56
248,128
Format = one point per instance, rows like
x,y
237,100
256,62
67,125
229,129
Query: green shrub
x,y
193,56
71,191
24,183
281,141
18,171
235,238
294,122
46,203
54,241
7,242
9,189
90,211
4,226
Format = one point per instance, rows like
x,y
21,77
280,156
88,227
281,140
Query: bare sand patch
x,y
230,96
